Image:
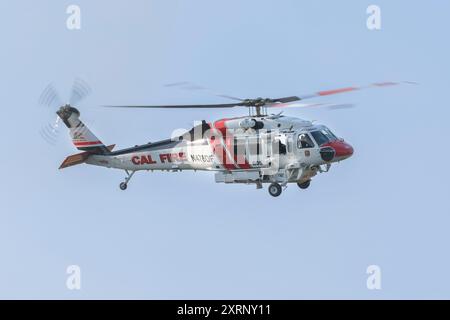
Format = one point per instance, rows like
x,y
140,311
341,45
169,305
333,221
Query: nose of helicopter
x,y
342,149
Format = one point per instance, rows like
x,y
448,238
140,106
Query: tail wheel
x,y
275,189
304,185
123,186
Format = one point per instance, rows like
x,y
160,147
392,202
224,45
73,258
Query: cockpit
x,y
320,136
323,136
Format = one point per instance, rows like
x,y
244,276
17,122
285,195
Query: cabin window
x,y
304,141
281,147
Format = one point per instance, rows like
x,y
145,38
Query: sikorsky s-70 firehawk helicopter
x,y
254,149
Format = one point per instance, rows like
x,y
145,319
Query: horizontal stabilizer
x,y
74,159
79,158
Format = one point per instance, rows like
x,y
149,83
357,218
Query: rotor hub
x,y
66,111
257,102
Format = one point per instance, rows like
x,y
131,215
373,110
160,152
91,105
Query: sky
x,y
181,235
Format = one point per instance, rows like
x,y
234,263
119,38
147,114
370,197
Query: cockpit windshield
x,y
323,136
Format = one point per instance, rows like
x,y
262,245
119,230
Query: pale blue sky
x,y
180,235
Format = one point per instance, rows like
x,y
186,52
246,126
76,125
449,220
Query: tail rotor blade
x,y
50,97
80,90
50,132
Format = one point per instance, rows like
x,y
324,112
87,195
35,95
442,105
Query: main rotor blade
x,y
185,106
287,99
330,106
349,89
270,103
192,87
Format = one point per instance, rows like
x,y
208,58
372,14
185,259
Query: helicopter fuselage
x,y
265,149
254,149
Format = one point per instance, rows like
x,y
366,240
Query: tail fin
x,y
82,137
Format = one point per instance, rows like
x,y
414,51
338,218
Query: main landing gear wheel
x,y
304,185
123,186
275,189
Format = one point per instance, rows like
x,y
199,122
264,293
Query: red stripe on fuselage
x,y
86,143
217,147
227,162
239,160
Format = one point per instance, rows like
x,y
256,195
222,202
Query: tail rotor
x,y
51,99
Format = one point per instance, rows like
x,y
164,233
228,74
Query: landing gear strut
x,y
124,185
304,185
275,189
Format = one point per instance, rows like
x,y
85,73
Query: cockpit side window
x,y
304,141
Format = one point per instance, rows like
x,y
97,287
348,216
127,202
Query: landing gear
x,y
275,189
124,185
304,185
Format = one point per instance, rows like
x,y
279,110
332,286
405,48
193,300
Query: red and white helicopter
x,y
254,149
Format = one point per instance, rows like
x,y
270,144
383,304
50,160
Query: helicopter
x,y
258,148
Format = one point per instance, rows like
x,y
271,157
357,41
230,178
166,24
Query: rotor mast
x,y
256,106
